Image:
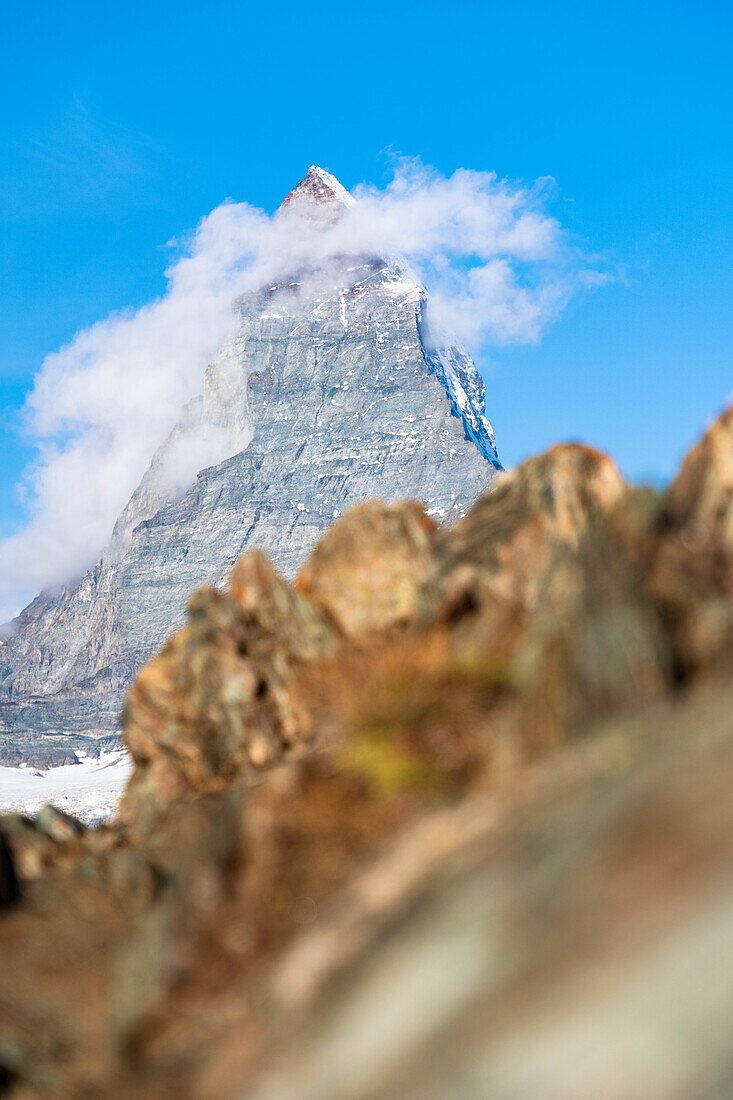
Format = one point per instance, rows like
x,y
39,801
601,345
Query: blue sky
x,y
125,124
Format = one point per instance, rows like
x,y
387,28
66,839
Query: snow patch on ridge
x,y
331,182
448,360
455,370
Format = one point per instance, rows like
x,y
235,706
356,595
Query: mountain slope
x,y
328,393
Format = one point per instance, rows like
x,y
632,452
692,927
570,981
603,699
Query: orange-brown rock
x,y
692,571
448,818
509,536
369,570
216,705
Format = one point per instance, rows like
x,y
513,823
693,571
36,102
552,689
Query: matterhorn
x,y
330,390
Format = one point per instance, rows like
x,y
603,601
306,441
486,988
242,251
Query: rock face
x,y
471,842
329,392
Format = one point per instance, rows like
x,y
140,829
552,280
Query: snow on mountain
x,y
318,187
330,391
90,790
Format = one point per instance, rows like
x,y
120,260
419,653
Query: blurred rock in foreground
x,y
447,817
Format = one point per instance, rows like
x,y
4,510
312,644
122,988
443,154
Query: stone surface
x,y
217,705
368,571
480,848
327,394
692,572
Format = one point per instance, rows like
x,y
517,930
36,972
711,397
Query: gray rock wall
x,y
323,397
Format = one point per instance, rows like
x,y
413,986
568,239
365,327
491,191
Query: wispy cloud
x,y
499,268
80,157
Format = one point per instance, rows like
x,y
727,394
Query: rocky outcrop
x,y
473,842
328,393
692,574
218,705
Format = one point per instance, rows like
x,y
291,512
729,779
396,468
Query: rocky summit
x,y
449,816
329,391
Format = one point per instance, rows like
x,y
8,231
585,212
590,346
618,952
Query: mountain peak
x,y
318,187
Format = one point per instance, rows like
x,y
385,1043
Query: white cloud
x,y
498,267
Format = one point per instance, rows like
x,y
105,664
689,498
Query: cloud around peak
x,y
497,265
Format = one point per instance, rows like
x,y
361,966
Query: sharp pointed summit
x,y
318,187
